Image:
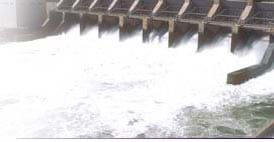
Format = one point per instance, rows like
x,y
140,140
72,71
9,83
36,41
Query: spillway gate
x,y
245,20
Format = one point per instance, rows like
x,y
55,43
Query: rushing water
x,y
70,86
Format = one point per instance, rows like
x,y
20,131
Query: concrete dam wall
x,y
244,20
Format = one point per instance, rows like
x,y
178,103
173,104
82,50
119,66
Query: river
x,y
71,86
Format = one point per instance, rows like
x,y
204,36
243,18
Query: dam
x,y
244,21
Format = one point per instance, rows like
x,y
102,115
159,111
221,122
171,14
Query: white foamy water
x,y
69,86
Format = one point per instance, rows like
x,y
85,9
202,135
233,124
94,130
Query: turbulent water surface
x,y
72,86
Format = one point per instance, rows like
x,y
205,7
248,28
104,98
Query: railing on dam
x,y
144,7
263,14
170,8
244,20
230,11
100,6
82,5
65,4
122,6
198,9
249,12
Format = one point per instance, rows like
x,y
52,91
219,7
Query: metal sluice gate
x,y
245,20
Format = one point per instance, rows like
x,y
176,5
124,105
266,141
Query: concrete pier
x,y
146,29
210,34
180,31
68,21
107,23
54,19
128,26
239,39
87,22
159,28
